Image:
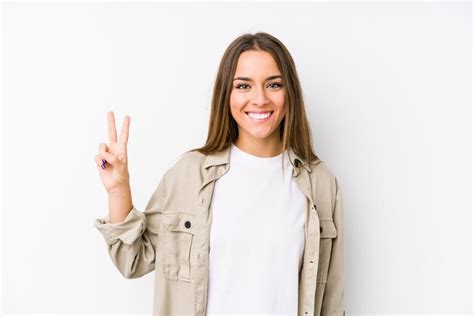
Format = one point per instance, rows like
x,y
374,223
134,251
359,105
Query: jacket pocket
x,y
328,232
178,240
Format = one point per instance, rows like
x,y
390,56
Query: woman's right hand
x,y
114,175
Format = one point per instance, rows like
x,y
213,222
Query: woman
x,y
271,241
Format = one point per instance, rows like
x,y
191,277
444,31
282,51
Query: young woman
x,y
251,222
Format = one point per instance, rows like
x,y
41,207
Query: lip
x,y
259,121
246,112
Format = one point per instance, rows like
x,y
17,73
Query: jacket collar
x,y
223,156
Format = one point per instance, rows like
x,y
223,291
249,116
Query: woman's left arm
x,y
333,302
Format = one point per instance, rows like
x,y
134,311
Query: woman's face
x,y
257,92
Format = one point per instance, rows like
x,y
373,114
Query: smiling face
x,y
257,100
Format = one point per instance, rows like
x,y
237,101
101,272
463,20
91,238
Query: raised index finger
x,y
112,130
124,133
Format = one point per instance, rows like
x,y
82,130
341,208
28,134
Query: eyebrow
x,y
249,79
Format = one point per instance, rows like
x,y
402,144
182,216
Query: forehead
x,y
256,62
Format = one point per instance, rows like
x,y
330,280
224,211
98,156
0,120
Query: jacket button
x,y
314,206
187,224
320,229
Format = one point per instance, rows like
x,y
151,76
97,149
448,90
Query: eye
x,y
273,84
277,83
240,85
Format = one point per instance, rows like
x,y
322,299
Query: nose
x,y
259,97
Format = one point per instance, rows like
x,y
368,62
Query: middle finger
x,y
112,130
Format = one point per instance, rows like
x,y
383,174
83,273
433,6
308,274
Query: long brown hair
x,y
294,129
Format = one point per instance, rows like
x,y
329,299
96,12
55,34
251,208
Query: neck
x,y
260,147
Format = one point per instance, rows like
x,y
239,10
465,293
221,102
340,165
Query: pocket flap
x,y
179,222
327,228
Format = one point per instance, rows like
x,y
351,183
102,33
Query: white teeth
x,y
259,116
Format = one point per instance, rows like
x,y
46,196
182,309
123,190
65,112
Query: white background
x,y
388,93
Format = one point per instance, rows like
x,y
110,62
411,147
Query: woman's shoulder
x,y
321,169
323,176
186,163
191,157
184,173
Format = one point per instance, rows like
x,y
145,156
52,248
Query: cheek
x,y
237,99
235,113
236,104
279,99
281,115
279,102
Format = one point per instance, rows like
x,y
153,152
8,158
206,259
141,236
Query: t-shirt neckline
x,y
238,155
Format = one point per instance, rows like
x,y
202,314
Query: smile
x,y
259,117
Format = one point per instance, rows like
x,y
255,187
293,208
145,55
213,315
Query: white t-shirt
x,y
256,238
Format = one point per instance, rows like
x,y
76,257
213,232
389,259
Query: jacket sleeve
x,y
131,244
333,301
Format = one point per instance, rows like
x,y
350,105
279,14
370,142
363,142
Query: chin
x,y
260,136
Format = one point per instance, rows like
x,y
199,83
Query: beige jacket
x,y
171,237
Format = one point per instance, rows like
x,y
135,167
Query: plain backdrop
x,y
388,93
